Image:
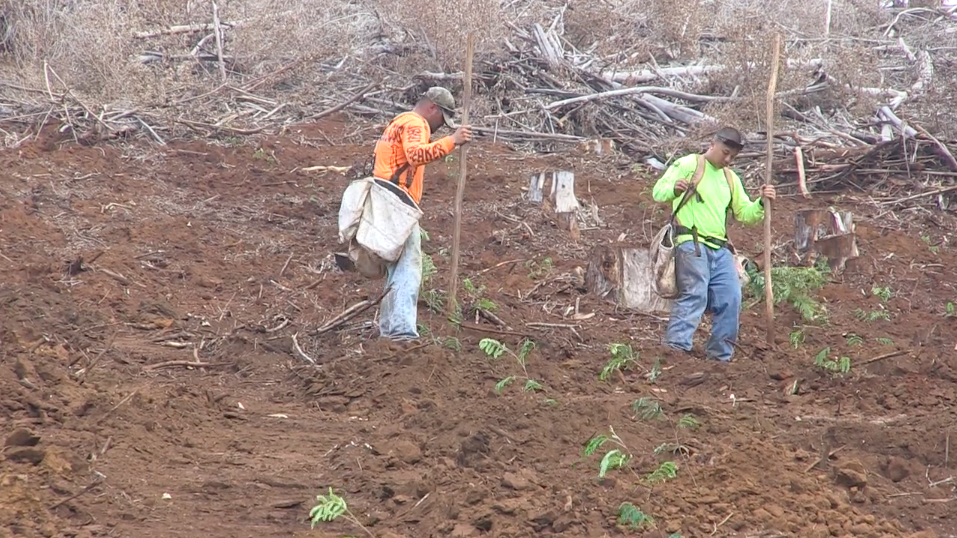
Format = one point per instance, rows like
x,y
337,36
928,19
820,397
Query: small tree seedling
x,y
495,349
647,409
622,358
630,516
794,286
330,507
822,360
616,458
666,471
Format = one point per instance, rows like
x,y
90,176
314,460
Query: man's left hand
x,y
767,191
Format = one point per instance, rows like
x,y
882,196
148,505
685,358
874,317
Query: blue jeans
x,y
709,282
399,308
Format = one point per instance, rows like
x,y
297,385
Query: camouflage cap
x,y
444,100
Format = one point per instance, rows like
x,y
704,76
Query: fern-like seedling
x,y
503,384
533,386
621,351
622,357
614,459
594,444
452,343
630,516
841,366
688,422
525,350
666,471
647,409
487,304
655,372
883,293
492,347
327,508
796,338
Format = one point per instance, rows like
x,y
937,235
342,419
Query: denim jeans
x,y
399,308
709,282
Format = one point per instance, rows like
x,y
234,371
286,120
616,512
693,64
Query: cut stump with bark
x,y
564,201
828,233
623,274
561,199
536,188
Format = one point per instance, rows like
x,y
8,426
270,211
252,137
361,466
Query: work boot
x,y
400,344
673,355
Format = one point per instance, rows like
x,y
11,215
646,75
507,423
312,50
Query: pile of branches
x,y
542,90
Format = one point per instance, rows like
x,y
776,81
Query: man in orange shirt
x,y
400,158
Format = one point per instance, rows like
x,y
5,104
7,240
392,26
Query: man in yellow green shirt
x,y
704,265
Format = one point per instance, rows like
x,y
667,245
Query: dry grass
x,y
91,46
440,27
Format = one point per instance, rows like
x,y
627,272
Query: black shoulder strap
x,y
398,173
692,188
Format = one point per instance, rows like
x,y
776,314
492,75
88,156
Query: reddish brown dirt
x,y
187,244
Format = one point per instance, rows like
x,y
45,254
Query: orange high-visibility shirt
x,y
406,142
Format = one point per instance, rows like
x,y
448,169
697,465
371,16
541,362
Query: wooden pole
x,y
218,30
768,291
460,188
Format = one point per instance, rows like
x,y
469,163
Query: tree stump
x,y
536,188
828,233
564,201
561,199
623,275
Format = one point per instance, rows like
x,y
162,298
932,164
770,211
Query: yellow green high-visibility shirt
x,y
709,213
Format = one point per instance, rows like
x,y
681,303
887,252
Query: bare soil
x,y
218,254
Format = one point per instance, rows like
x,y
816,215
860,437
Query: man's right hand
x,y
462,135
680,186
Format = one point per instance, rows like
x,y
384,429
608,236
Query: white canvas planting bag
x,y
375,220
389,216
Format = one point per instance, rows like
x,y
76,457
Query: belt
x,y
693,232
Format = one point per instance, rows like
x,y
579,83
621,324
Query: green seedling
x,y
689,422
873,315
882,293
622,358
478,300
536,270
666,471
854,340
616,458
796,338
495,349
630,516
655,372
794,286
331,507
647,409
822,360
